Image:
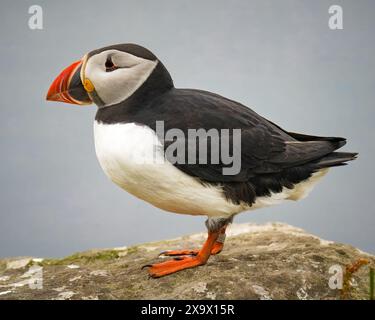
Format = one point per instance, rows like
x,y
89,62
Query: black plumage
x,y
271,158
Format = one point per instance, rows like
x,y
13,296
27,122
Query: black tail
x,y
333,159
336,159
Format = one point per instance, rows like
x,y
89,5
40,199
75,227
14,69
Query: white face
x,y
116,75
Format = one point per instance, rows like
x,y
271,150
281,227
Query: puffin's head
x,y
110,75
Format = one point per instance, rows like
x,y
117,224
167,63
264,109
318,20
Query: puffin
x,y
135,95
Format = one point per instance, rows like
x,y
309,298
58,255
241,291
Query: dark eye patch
x,y
109,65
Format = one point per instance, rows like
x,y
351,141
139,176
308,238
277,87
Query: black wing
x,y
265,147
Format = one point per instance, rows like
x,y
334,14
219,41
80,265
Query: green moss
x,y
104,255
133,249
372,283
88,257
31,263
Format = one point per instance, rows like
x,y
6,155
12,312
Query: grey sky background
x,y
279,57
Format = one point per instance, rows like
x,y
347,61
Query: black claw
x,y
146,266
178,258
162,253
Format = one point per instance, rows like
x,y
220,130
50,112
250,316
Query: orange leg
x,y
180,263
216,249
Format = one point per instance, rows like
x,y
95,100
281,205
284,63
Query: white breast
x,y
131,156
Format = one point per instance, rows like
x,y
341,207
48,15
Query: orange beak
x,y
68,87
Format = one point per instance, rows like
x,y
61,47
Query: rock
x,y
99,273
271,261
18,264
65,295
261,292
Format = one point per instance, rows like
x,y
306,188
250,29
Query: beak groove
x,y
68,88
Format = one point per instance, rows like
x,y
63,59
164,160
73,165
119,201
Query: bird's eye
x,y
109,65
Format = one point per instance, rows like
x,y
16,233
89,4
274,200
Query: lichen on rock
x,y
271,261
